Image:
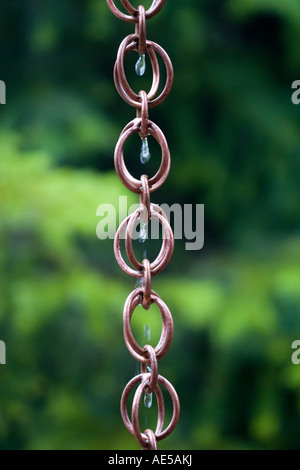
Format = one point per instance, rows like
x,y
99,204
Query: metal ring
x,y
165,254
152,11
133,300
154,368
133,425
131,43
142,438
135,409
127,179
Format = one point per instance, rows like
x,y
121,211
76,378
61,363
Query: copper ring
x,y
152,11
151,443
127,179
154,369
147,284
143,113
132,301
142,438
119,14
135,411
140,29
128,44
165,254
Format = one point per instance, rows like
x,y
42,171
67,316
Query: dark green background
x,y
234,137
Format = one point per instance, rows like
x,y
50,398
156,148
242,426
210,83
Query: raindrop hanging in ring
x,y
139,282
140,66
143,233
148,399
145,154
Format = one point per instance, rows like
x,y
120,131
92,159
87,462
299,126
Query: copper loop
x,y
133,425
164,343
142,438
127,179
165,254
131,43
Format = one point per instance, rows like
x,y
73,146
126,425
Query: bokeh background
x,y
234,136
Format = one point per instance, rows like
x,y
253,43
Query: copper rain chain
x,y
149,379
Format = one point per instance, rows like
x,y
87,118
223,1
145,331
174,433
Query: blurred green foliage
x,y
235,143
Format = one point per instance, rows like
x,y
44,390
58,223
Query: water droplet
x,y
148,400
145,153
140,66
139,282
143,233
147,334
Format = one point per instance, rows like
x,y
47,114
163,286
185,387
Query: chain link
x,y
147,356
